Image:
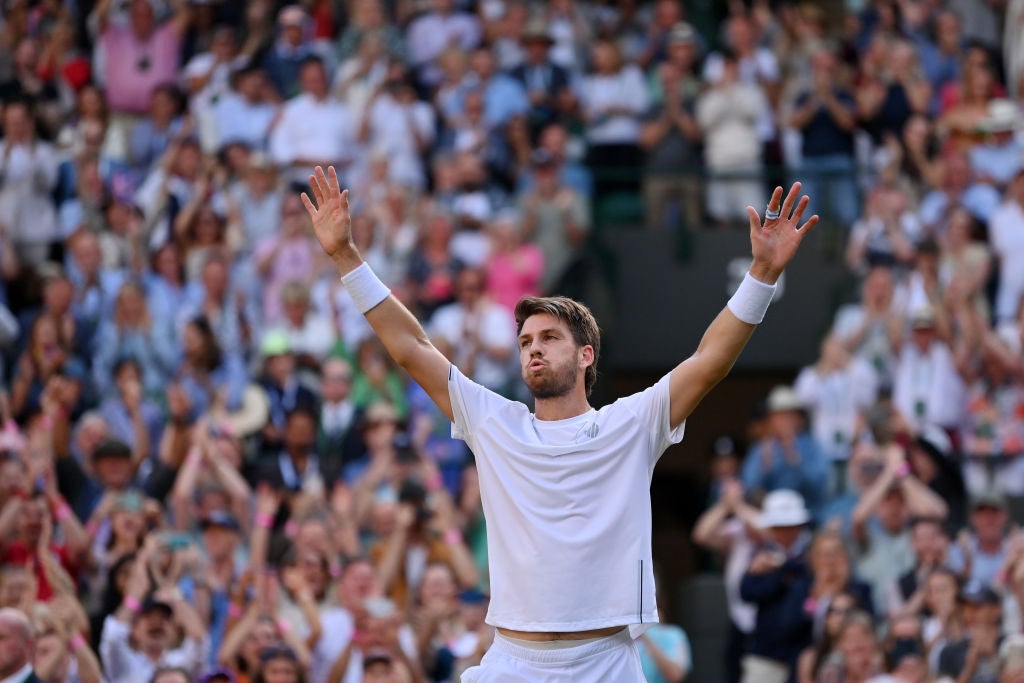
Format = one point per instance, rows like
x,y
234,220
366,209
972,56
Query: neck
x,y
572,404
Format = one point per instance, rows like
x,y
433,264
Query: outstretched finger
x,y
333,176
325,185
318,192
787,206
806,227
775,201
800,208
755,219
308,203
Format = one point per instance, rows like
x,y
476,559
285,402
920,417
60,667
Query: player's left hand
x,y
774,242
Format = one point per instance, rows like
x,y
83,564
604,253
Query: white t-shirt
x,y
568,507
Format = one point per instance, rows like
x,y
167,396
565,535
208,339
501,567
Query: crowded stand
x,y
211,471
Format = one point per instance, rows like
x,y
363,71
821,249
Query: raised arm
x,y
773,243
398,329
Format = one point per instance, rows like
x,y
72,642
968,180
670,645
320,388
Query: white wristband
x,y
750,302
365,288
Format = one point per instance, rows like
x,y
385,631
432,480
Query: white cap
x,y
783,398
783,508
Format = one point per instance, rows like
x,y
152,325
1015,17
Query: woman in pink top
x,y
514,269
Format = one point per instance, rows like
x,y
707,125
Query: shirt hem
x,y
572,626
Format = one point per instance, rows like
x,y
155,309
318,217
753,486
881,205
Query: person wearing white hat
x,y
565,487
998,159
777,582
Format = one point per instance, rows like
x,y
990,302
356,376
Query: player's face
x,y
551,360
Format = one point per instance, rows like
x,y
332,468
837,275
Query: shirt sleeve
x,y
471,404
651,408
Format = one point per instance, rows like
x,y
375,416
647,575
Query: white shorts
x,y
614,658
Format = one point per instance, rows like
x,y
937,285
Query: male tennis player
x,y
566,488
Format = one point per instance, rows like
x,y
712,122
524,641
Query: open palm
x,y
331,221
773,243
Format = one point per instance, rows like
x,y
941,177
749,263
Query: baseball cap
x,y
682,32
292,15
989,499
977,592
111,449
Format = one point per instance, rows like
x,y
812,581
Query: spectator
x,y
16,663
927,388
980,552
1008,249
314,128
151,136
787,457
974,657
246,111
814,658
547,85
430,33
289,256
28,174
285,59
665,654
514,268
998,159
776,583
556,219
613,98
671,135
826,116
480,332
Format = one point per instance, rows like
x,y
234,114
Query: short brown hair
x,y
576,316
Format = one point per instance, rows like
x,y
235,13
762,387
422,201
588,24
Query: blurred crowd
x,y
211,469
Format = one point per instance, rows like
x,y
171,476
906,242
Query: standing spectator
x,y
310,335
442,26
555,217
151,135
940,52
974,657
290,256
997,160
728,114
514,268
672,137
981,552
613,97
19,643
399,126
139,56
826,116
866,329
314,128
28,176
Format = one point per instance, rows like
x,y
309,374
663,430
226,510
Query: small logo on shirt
x,y
588,431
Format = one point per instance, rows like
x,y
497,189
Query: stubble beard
x,y
552,382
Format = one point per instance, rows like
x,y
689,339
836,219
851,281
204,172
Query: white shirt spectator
x,y
759,68
836,398
492,324
1006,233
237,119
391,131
927,388
625,89
28,175
124,664
728,116
312,129
315,337
432,33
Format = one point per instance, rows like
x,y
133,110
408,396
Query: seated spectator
x,y
208,374
974,657
887,232
980,552
151,136
826,644
211,297
859,653
929,544
998,159
285,389
514,268
787,457
395,123
957,186
368,18
310,335
245,113
961,122
131,414
284,60
361,74
548,86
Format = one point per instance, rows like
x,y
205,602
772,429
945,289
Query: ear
x,y
586,356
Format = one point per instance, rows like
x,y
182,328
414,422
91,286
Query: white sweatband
x,y
750,302
365,287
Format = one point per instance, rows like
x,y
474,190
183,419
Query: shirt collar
x,y
20,675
